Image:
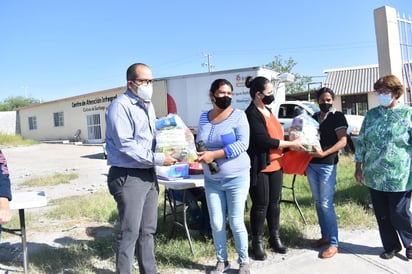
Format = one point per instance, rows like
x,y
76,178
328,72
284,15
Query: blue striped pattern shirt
x,y
231,135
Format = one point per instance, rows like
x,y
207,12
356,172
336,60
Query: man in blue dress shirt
x,y
130,144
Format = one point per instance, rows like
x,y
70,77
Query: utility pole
x,y
208,64
312,83
25,88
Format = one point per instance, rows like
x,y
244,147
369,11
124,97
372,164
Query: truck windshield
x,y
311,105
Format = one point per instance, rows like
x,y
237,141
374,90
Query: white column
x,y
388,43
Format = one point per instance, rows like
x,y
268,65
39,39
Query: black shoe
x,y
389,254
258,250
277,246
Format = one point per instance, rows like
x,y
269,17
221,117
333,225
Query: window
x,y
355,104
291,111
58,119
32,123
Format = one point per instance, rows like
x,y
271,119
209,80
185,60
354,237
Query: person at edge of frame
x,y
383,160
5,192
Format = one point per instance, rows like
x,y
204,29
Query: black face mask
x,y
268,99
223,102
325,107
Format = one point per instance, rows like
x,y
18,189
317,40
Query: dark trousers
x,y
392,211
266,195
136,193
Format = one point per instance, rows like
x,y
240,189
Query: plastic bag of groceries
x,y
173,135
306,128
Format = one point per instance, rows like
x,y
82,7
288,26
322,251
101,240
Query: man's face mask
x,y
145,92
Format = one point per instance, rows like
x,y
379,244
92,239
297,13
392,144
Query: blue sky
x,y
52,49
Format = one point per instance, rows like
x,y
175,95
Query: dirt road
x,y
29,162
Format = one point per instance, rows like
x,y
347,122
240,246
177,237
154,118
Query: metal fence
x,y
405,37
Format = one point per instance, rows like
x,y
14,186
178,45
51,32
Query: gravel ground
x,y
27,162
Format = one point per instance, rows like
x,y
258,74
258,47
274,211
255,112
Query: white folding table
x,y
22,201
193,181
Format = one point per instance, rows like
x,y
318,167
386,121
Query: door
x,y
94,129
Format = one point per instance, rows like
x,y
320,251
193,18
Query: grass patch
x,y
10,140
81,258
98,206
15,224
51,180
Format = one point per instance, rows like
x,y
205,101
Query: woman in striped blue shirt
x,y
225,132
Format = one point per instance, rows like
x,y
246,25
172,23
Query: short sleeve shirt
x,y
327,131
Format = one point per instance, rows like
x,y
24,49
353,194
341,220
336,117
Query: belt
x,y
136,169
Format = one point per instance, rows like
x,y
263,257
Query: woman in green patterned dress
x,y
383,163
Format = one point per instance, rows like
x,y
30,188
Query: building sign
x,y
240,80
89,104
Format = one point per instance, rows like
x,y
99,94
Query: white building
x,y
79,118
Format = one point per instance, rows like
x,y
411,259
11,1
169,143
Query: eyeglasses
x,y
383,91
144,82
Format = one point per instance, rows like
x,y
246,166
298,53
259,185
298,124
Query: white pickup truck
x,y
287,110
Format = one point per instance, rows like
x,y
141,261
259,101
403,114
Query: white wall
x,y
8,122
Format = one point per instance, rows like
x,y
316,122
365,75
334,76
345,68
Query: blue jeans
x,y
228,195
322,181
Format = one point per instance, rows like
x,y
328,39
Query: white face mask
x,y
385,99
145,92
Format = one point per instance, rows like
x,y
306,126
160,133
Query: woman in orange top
x,y
266,176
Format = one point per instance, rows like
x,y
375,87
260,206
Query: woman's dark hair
x,y
257,84
391,82
324,90
218,83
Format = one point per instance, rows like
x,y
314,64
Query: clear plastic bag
x,y
306,129
173,135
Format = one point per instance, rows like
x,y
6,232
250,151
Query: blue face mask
x,y
385,99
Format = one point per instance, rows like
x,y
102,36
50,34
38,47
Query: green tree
x,y
280,65
13,103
